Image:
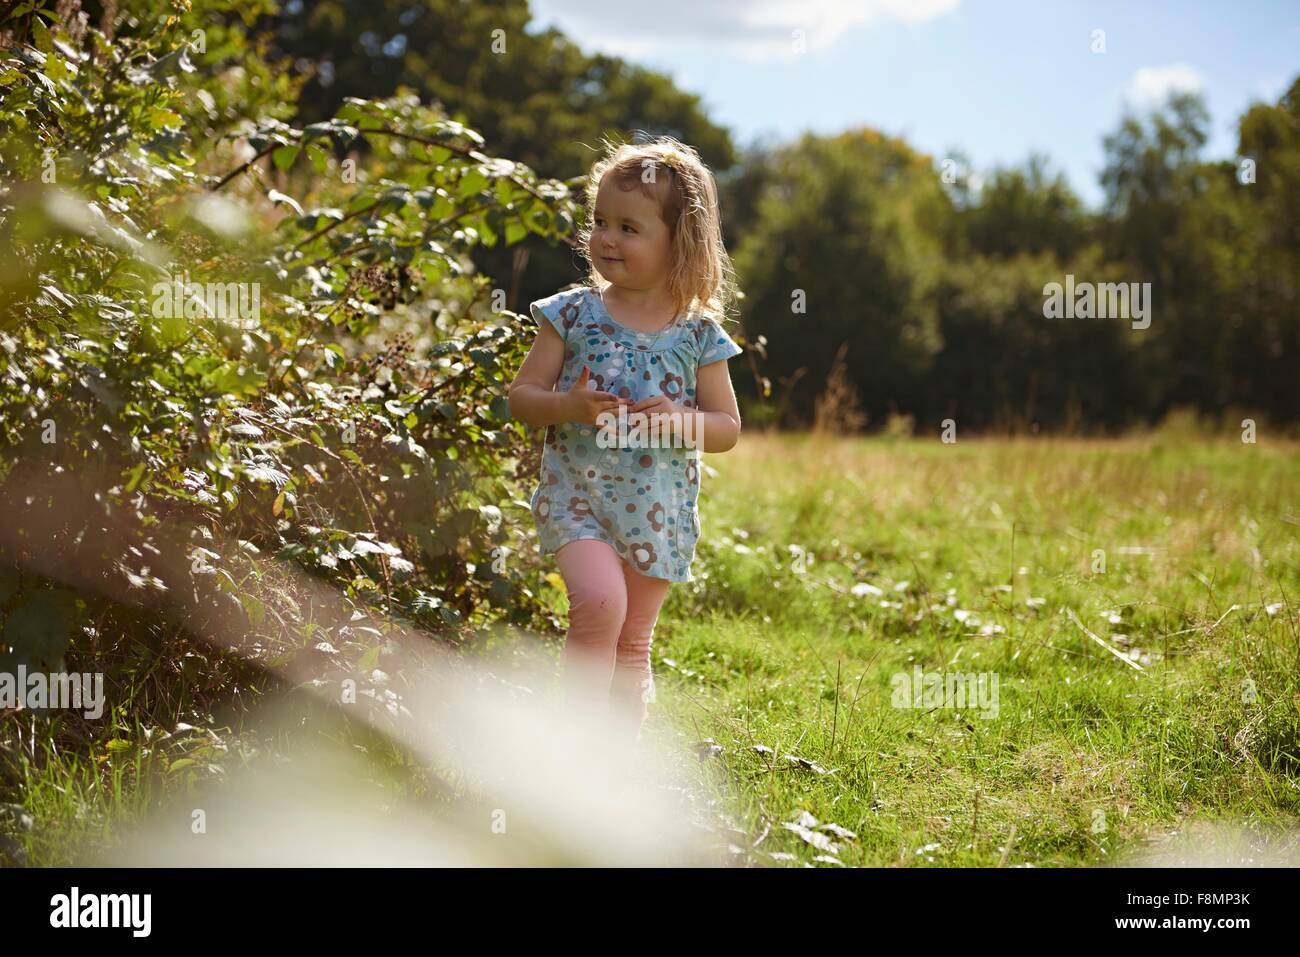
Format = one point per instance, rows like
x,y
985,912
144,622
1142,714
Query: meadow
x,y
1134,600
1123,613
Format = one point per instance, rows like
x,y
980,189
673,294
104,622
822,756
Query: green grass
x,y
1088,758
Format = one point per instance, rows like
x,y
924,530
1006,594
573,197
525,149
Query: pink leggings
x,y
612,613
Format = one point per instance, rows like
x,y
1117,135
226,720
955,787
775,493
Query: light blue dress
x,y
642,501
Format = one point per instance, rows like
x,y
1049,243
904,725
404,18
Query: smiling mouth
x,y
611,259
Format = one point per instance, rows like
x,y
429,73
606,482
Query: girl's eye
x,y
629,229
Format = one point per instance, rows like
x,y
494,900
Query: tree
x,y
844,247
535,96
1265,347
1026,210
1155,225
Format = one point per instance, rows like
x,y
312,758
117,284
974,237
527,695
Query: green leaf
x,y
392,201
284,156
253,607
235,379
41,35
350,110
317,157
161,118
55,68
334,355
137,473
39,629
370,660
344,134
472,182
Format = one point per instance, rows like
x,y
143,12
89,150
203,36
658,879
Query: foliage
x,y
157,444
1027,210
940,294
849,225
534,94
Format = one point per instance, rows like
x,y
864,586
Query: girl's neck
x,y
645,316
638,320
653,300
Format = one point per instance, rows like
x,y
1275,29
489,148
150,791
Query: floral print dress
x,y
640,500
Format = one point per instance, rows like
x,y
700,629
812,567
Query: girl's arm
x,y
532,396
716,401
715,420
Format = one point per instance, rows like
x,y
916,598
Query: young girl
x,y
643,336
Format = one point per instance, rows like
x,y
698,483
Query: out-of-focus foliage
x,y
340,405
847,227
940,294
533,94
1026,210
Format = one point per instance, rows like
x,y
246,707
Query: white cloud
x,y
754,29
1152,84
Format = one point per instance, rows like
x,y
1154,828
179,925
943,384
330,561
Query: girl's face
x,y
630,245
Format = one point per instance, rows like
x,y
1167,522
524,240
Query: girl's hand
x,y
658,408
656,405
586,405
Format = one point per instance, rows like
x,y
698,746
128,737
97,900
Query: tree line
x,y
930,291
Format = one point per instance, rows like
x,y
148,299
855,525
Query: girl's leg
x,y
633,684
593,577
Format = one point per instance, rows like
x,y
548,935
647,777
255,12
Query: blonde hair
x,y
701,277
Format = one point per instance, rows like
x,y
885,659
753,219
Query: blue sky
x,y
993,78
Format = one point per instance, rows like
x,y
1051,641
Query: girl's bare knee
x,y
606,610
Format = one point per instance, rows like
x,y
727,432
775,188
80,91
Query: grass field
x,y
1130,608
1168,709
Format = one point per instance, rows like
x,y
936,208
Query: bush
x,y
187,388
